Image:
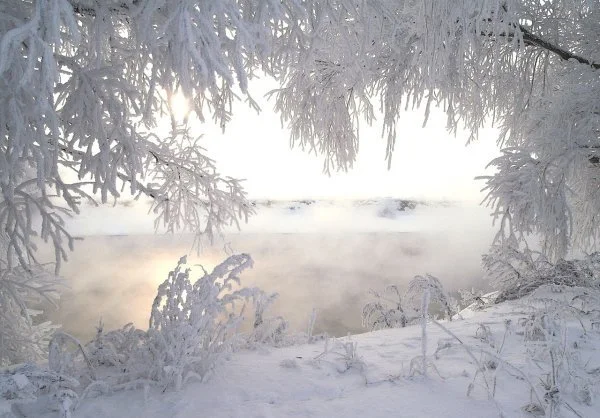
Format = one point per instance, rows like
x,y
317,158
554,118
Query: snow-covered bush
x,y
392,309
516,273
191,324
114,348
36,389
418,286
386,311
474,298
24,336
342,353
62,351
266,330
274,331
32,389
553,331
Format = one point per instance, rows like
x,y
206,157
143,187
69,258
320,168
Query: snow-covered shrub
x,y
114,348
299,337
266,330
418,286
54,387
190,324
62,351
386,311
350,357
517,273
475,299
552,344
310,328
391,309
342,354
24,336
190,329
29,385
25,380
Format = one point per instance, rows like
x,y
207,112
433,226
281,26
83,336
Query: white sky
x,y
428,163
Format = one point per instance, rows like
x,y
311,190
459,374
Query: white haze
x,y
325,255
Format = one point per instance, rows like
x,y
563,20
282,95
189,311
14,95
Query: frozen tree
x,y
83,84
532,68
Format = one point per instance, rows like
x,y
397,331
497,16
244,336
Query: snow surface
x,y
310,381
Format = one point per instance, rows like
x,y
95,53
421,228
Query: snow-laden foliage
x,y
193,325
516,273
436,294
82,86
342,354
392,309
274,331
560,317
386,311
114,348
266,330
24,336
34,388
529,67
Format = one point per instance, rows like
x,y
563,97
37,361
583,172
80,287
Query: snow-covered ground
x,y
376,375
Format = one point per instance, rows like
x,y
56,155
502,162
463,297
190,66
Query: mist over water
x,y
114,278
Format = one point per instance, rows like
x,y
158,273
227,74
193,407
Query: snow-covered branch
x,y
83,85
529,68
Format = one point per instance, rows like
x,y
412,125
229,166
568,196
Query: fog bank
x,y
325,267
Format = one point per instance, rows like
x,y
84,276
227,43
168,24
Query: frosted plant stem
x,y
424,309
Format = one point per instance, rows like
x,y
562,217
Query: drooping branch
x,y
534,40
531,39
89,10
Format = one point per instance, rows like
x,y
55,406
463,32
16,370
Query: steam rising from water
x,y
330,268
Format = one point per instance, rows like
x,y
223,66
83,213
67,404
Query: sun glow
x,y
180,106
